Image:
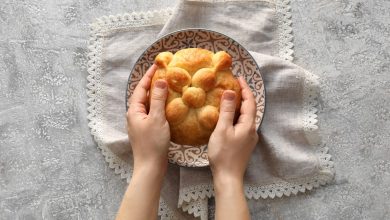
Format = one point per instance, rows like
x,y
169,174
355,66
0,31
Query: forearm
x,y
141,199
230,199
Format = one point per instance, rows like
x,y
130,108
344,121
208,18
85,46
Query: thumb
x,y
227,109
158,98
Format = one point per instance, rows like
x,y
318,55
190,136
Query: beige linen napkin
x,y
285,160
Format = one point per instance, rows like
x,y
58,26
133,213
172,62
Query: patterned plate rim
x,y
194,29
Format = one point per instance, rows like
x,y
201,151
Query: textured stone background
x,y
50,167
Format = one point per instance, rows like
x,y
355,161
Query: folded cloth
x,y
287,159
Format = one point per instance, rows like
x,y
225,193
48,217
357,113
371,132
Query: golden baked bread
x,y
196,80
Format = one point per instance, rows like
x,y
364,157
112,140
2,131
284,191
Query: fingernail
x,y
160,84
229,95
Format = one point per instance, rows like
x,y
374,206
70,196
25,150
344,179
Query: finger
x,y
248,105
158,98
139,98
227,109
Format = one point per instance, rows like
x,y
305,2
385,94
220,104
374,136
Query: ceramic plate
x,y
243,65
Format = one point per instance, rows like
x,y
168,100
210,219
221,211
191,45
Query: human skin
x,y
229,150
150,154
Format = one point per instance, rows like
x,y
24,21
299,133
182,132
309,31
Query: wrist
x,y
146,177
227,183
152,169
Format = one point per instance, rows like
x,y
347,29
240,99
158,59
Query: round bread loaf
x,y
196,80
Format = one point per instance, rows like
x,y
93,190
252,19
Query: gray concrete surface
x,y
49,165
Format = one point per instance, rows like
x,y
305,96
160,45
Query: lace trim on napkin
x,y
197,207
286,45
103,26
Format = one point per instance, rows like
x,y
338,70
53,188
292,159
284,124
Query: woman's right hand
x,y
230,146
229,150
